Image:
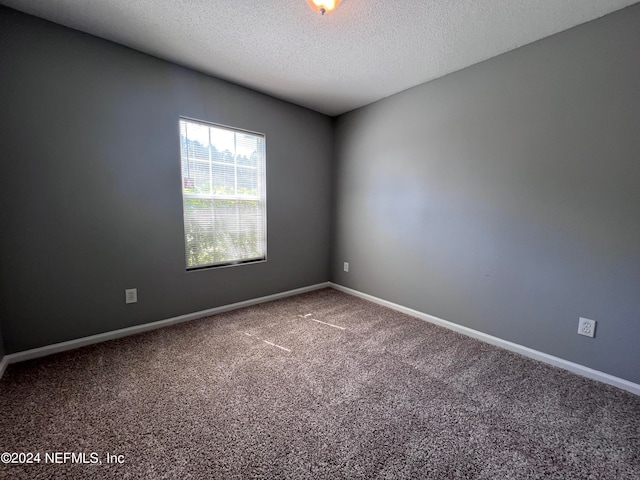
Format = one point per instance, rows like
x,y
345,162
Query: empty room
x,y
305,239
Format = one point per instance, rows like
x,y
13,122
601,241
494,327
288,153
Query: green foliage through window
x,y
223,189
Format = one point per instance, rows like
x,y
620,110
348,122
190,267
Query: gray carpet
x,y
271,392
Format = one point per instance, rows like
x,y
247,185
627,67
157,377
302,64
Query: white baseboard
x,y
125,332
514,347
3,366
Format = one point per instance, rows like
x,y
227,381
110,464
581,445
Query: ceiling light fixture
x,y
324,6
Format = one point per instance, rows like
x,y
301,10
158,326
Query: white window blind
x,y
223,192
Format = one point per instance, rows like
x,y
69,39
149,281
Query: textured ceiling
x,y
364,51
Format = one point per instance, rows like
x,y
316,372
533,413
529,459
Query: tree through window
x,y
223,192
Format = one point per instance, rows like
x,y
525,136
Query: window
x,y
223,194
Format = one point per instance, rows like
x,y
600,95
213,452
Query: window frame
x,y
262,181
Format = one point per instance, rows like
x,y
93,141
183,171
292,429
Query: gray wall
x,y
90,188
506,197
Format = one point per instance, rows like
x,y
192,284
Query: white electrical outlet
x,y
586,327
346,266
131,295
